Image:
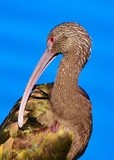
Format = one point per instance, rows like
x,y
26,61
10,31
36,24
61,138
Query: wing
x,y
42,135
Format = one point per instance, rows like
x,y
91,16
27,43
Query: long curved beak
x,y
43,63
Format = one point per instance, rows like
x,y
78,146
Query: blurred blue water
x,y
24,26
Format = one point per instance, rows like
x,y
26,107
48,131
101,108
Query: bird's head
x,y
66,38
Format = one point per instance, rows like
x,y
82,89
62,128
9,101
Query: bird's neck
x,y
64,90
68,73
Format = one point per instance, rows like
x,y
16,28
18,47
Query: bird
x,y
52,121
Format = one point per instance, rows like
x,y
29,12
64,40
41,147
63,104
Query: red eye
x,y
51,39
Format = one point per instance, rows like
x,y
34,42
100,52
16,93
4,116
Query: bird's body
x,y
57,118
47,138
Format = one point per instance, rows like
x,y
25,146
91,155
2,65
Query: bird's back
x,y
41,137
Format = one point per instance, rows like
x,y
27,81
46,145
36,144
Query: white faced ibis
x,y
54,121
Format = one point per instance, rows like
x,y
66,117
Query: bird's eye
x,y
50,42
51,39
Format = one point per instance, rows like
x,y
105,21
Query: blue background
x,y
24,26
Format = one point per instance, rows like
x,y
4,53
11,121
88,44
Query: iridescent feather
x,y
41,137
